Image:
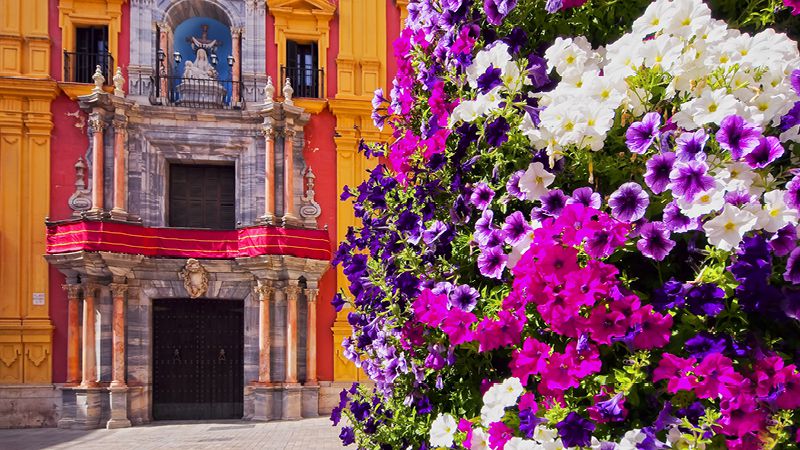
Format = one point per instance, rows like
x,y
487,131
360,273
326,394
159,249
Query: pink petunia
x,y
677,371
457,326
430,308
531,359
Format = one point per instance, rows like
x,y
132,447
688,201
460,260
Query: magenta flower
x,y
654,329
676,371
499,434
795,5
768,150
738,136
457,326
430,308
641,135
531,359
629,202
604,325
655,242
658,169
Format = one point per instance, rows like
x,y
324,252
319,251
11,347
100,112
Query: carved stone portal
x,y
195,278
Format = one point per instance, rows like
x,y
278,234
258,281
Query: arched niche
x,y
178,12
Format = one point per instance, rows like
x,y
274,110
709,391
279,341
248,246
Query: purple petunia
x,y
794,78
690,145
676,221
575,431
641,135
586,197
738,136
689,179
792,273
484,227
629,202
496,132
482,196
489,79
792,195
784,241
655,242
492,262
658,170
512,186
516,227
497,10
553,202
704,344
769,149
464,297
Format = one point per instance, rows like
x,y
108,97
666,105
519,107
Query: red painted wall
x,y
392,33
68,142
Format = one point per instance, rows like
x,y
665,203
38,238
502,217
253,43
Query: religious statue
x,y
201,68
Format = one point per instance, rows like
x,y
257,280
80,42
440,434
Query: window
x,y
91,50
302,69
202,196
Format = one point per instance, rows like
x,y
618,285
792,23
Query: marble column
x,y
163,69
289,215
88,357
236,72
118,397
119,210
311,337
292,292
73,334
269,176
97,125
264,292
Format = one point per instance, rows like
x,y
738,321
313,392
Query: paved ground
x,y
308,434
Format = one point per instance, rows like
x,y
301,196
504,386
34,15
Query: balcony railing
x,y
79,67
196,93
306,81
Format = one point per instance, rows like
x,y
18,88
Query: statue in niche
x,y
201,68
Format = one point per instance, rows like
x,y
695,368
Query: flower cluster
x,y
583,241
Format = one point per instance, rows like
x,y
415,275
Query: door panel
x,y
198,359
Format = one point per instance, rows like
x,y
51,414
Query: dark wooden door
x,y
202,196
198,359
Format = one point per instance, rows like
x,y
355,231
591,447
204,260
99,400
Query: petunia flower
x,y
497,10
535,180
512,186
689,146
738,136
516,227
492,262
553,202
655,242
575,431
482,196
629,202
658,169
769,149
586,197
727,229
464,297
641,135
792,273
689,179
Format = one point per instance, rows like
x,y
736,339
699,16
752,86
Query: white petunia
x,y
631,440
775,214
499,57
443,430
517,443
503,394
710,107
535,180
492,413
687,18
480,440
727,229
704,202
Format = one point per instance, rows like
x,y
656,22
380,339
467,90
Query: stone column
x,y
289,215
292,292
118,388
236,36
119,211
118,335
163,69
97,125
269,175
73,334
311,337
264,291
89,367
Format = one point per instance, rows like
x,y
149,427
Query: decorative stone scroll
x,y
80,200
195,278
309,208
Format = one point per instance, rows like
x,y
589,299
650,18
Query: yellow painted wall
x,y
25,125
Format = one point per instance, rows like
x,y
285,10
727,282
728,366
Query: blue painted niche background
x,y
216,30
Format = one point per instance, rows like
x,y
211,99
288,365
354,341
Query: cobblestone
x,y
308,434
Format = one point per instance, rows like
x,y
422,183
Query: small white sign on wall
x,y
38,298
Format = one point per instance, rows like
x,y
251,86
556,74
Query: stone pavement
x,y
308,434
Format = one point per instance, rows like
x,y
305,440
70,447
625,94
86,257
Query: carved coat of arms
x,y
195,278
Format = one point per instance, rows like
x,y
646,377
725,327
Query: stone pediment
x,y
313,6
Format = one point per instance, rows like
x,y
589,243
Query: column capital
x,y
311,294
73,290
90,288
97,124
263,290
268,131
292,292
118,289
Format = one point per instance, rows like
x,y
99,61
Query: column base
x,y
310,401
87,408
121,215
267,220
292,402
118,400
95,214
263,403
291,221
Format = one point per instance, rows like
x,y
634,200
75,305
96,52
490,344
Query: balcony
x,y
307,82
79,67
196,93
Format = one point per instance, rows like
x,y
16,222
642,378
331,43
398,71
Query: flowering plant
x,y
579,246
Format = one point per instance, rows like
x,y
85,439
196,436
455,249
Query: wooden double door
x,y
198,359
